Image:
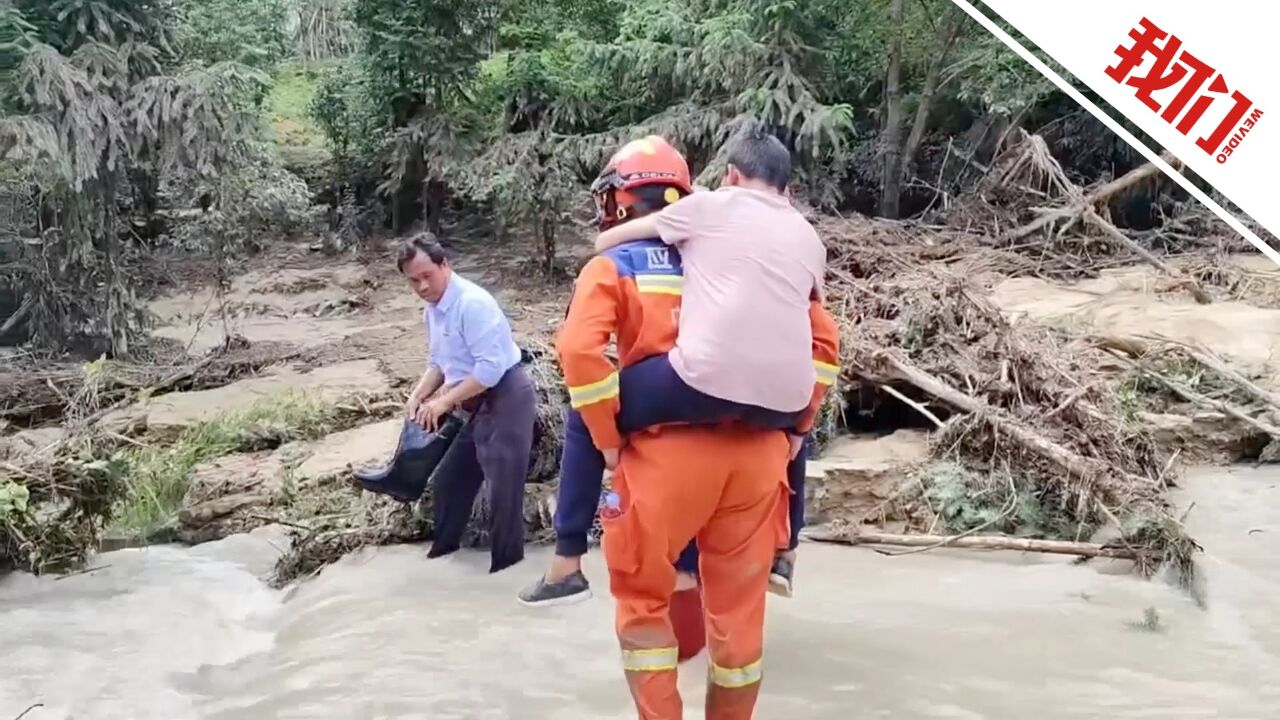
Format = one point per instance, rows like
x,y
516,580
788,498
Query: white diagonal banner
x,y
1196,76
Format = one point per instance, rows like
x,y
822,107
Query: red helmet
x,y
643,176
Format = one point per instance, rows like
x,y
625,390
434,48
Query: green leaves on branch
x,y
86,119
13,499
194,122
72,132
991,76
97,124
68,24
248,32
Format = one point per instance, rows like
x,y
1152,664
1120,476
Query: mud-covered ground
x,y
360,329
357,339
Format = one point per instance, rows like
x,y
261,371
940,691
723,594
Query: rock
x,y
168,415
234,493
358,447
857,474
1205,437
112,542
309,483
237,493
233,474
31,444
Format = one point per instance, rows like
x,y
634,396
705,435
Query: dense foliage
x,y
513,105
120,115
117,112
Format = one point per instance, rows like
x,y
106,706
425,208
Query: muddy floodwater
x,y
172,633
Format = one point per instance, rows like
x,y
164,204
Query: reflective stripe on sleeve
x,y
661,284
595,392
827,373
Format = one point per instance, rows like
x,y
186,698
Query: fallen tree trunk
x,y
1073,463
1131,178
984,542
1198,399
1114,233
1100,194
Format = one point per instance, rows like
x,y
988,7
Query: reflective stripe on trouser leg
x,y
641,579
650,660
736,549
732,692
736,677
651,676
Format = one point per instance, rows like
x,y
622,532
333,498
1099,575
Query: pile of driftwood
x,y
1027,206
52,508
38,389
1018,402
69,488
1034,406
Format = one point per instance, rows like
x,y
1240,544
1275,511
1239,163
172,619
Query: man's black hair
x,y
425,243
759,155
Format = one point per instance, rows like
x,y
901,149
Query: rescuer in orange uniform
x,y
675,482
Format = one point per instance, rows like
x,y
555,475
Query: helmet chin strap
x,y
608,212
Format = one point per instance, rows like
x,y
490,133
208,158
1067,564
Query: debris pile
x,y
1029,422
1044,437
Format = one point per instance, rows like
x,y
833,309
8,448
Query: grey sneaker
x,y
780,576
573,589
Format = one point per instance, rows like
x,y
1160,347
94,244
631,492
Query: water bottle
x,y
612,506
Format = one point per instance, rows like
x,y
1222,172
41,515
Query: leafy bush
x,y
256,204
250,32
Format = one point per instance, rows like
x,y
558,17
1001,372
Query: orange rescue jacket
x,y
633,292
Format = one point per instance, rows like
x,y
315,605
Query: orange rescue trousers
x,y
727,487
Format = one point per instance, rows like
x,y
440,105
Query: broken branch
x,y
984,542
913,405
1114,233
1201,400
1101,194
1211,360
18,316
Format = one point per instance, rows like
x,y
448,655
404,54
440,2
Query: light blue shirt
x,y
468,335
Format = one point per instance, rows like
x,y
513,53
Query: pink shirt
x,y
751,264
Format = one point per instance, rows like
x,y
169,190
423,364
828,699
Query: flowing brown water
x,y
171,633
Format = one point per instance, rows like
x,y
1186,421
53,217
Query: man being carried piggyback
x,y
715,301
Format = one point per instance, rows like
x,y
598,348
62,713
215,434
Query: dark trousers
x,y
494,445
651,393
